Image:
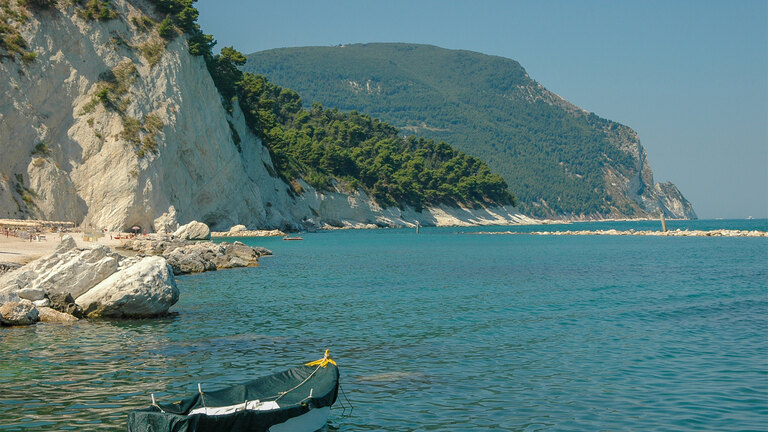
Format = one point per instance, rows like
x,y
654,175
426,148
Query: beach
x,y
19,250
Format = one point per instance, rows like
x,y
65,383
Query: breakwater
x,y
632,232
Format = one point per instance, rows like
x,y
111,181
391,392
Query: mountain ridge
x,y
560,160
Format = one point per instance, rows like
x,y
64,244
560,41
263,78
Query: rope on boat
x,y
323,362
202,396
152,395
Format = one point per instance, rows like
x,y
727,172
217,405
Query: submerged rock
x,y
19,313
145,289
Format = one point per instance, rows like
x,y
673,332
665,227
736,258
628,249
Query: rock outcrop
x,y
90,282
197,257
145,289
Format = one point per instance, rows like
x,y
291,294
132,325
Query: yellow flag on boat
x,y
323,362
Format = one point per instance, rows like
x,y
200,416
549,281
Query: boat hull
x,y
310,421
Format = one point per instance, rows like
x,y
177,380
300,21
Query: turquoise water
x,y
439,331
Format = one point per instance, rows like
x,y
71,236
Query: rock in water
x,y
193,231
19,313
48,315
145,289
64,303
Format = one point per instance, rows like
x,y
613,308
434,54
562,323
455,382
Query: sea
x,y
444,330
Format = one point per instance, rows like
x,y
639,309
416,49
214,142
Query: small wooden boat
x,y
296,400
292,238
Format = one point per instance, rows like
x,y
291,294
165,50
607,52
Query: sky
x,y
691,77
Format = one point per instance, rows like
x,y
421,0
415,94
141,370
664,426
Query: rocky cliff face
x,y
108,127
632,189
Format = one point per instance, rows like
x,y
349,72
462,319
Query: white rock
x,y
193,231
31,293
168,222
144,289
66,245
238,228
42,303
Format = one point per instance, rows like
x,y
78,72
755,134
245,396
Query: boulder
x,y
167,223
145,289
66,245
64,303
41,303
19,313
31,293
74,271
237,228
49,315
193,231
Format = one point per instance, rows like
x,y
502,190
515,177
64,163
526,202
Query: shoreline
x,y
22,251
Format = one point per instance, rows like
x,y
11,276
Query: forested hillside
x,y
554,156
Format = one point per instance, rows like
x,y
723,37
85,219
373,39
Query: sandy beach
x,y
18,250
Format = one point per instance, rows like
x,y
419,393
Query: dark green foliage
x,y
166,29
95,10
486,106
180,13
11,41
38,5
40,149
325,145
225,74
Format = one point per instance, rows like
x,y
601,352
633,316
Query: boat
x,y
296,400
292,238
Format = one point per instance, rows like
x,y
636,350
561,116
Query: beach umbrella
x,y
136,228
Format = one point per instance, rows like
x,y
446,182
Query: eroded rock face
x,y
145,289
18,313
168,222
193,231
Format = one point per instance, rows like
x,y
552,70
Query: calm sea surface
x,y
440,331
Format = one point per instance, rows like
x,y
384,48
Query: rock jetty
x,y
88,282
186,256
613,232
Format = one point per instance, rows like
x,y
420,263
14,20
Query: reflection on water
x,y
436,332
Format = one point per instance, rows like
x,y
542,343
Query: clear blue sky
x,y
691,77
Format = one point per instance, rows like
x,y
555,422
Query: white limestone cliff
x,y
69,155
